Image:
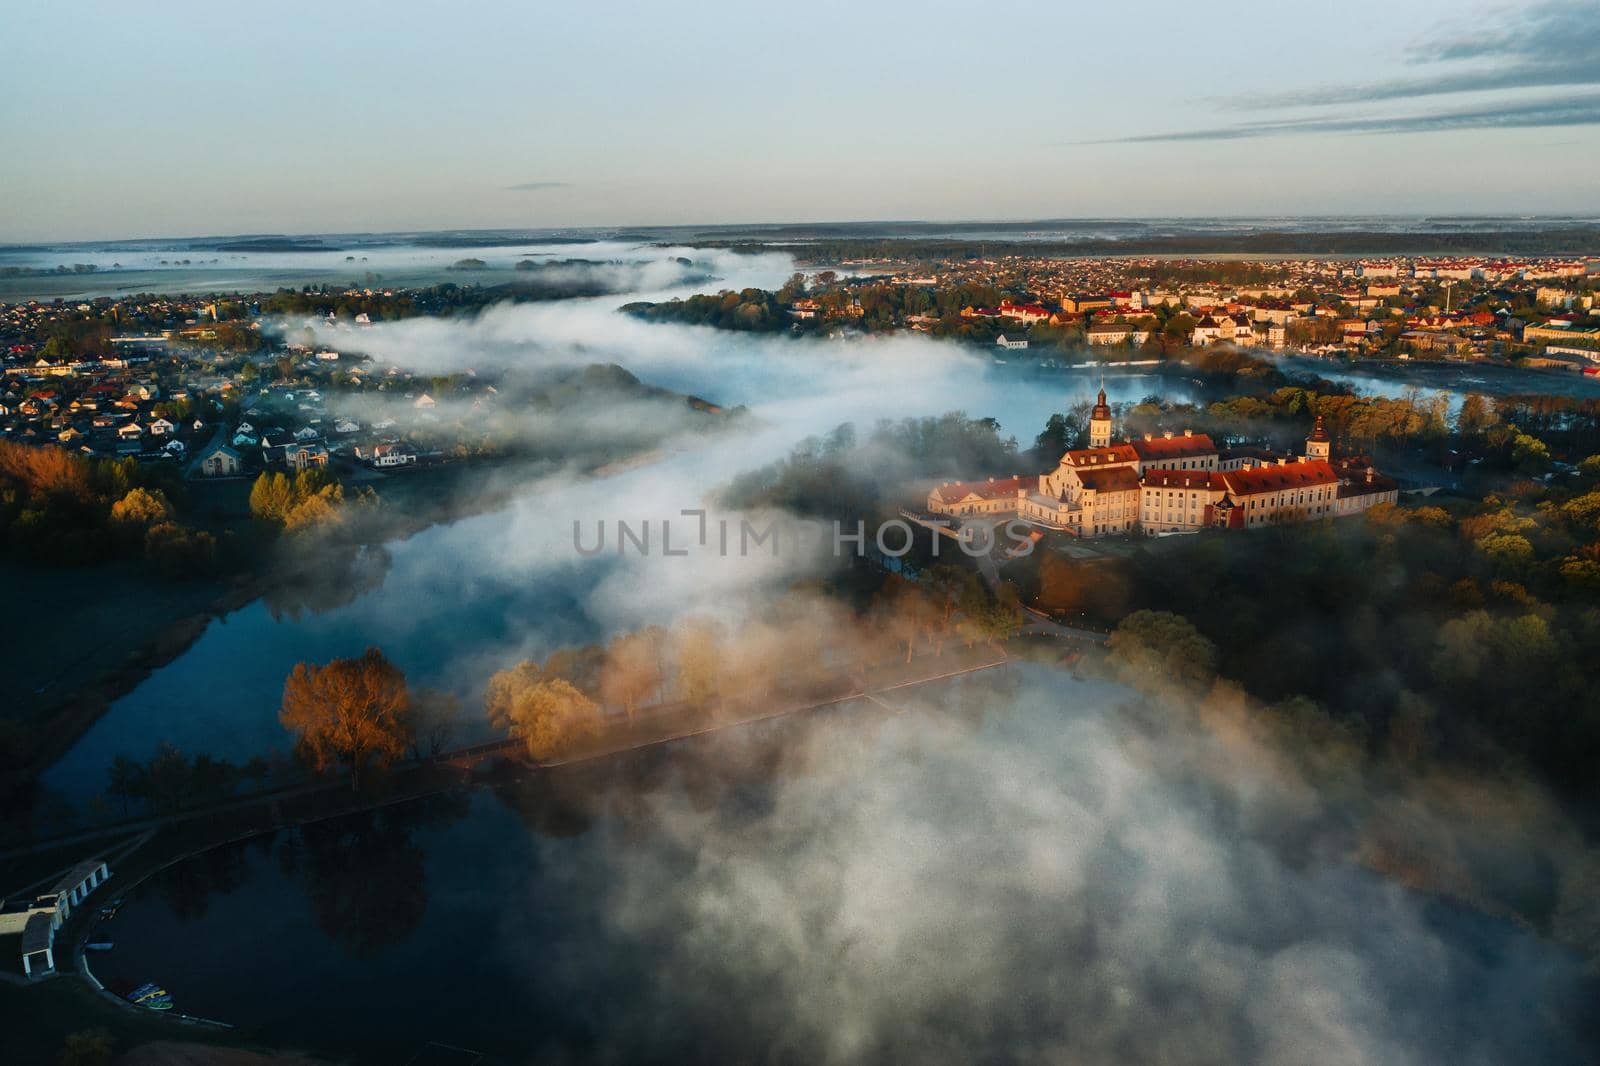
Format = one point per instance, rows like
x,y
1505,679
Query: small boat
x,y
99,945
140,996
144,990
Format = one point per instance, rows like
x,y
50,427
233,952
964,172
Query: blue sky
x,y
125,120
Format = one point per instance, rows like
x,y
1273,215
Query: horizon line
x,y
1592,217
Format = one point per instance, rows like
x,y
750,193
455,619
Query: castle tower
x,y
1318,446
1100,421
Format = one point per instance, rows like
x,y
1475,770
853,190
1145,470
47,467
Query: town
x,y
196,381
193,383
1540,312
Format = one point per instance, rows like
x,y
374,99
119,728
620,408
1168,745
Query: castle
x,y
1172,484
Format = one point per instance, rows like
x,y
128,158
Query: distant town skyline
x,y
189,120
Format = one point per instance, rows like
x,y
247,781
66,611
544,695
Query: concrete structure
x,y
40,919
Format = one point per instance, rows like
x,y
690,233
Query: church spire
x,y
1319,445
1100,420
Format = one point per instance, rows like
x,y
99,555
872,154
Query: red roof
x,y
1079,458
989,490
1184,479
1254,480
1157,449
1111,479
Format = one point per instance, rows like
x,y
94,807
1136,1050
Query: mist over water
x,y
457,602
1020,867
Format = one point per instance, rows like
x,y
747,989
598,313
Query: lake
x,y
1009,868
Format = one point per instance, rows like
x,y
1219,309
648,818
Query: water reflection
x,y
1005,871
365,875
325,579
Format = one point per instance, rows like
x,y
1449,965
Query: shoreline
x,y
62,726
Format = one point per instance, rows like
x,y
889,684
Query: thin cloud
x,y
538,186
1544,114
1551,44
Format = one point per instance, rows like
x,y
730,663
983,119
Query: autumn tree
x,y
141,507
635,669
699,660
548,714
1475,415
352,713
271,497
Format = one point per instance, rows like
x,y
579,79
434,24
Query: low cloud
x,y
1542,114
1029,868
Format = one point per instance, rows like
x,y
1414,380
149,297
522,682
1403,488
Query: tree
x,y
1162,646
141,507
178,551
432,722
904,611
1061,433
1000,615
271,497
699,656
1529,454
634,669
352,712
318,510
1475,415
548,714
127,781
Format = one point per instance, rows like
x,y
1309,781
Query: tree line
x,y
63,509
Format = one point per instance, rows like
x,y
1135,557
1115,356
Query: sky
x,y
186,119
